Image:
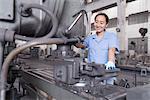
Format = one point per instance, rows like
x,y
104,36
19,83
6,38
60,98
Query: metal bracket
x,y
143,72
6,9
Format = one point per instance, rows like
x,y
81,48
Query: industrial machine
x,y
30,70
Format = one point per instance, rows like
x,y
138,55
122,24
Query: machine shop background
x,y
39,60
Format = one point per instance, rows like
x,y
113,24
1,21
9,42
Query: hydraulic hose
x,y
26,7
16,51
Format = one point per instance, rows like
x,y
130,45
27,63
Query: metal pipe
x,y
45,9
16,51
1,54
24,38
74,22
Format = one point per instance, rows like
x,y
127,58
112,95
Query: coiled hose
x,y
26,7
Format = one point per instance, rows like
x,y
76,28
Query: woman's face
x,y
100,23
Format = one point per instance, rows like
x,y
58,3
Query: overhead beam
x,y
98,4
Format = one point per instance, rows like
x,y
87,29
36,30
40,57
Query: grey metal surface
x,y
41,80
71,7
50,88
139,93
32,25
6,35
94,89
39,23
7,9
16,22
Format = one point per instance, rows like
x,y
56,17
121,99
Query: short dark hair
x,y
102,14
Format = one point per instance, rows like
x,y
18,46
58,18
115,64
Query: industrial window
x,y
112,23
138,18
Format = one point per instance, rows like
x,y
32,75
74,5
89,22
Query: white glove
x,y
110,65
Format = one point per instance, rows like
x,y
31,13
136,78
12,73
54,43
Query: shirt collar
x,y
97,38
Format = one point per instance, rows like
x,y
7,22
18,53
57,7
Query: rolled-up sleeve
x,y
86,42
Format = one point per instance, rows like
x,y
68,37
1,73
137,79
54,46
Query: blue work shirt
x,y
98,48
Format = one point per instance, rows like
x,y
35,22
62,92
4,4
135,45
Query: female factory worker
x,y
102,45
